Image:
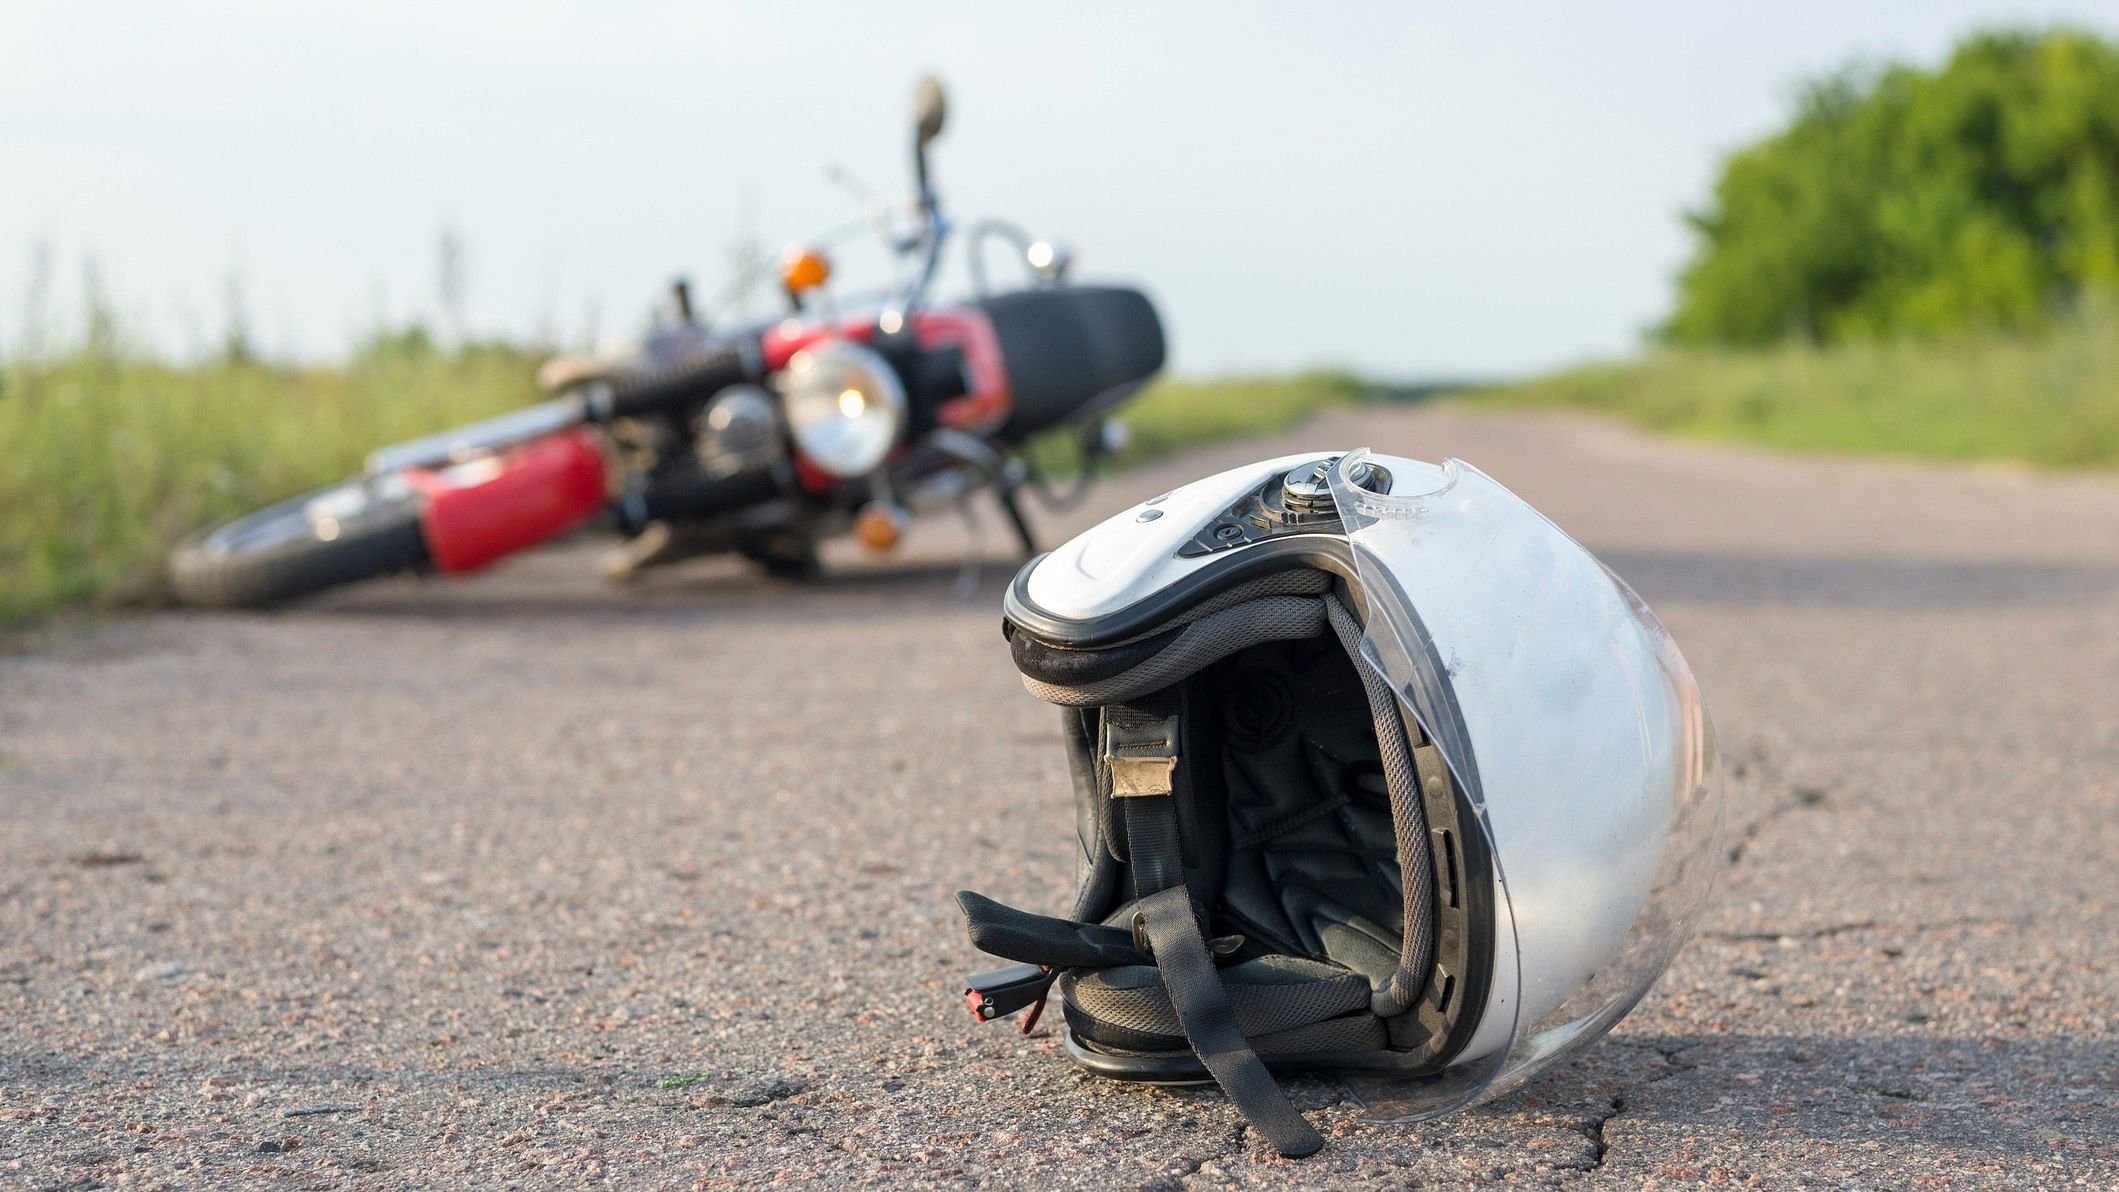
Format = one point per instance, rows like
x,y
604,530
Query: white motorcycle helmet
x,y
1377,772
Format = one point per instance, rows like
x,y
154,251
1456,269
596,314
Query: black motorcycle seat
x,y
1073,351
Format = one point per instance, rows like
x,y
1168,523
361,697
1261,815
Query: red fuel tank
x,y
478,511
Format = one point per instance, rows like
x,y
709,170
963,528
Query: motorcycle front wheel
x,y
352,531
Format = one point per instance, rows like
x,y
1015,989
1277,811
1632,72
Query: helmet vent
x,y
1449,866
1306,492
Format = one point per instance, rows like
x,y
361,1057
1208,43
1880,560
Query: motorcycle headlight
x,y
844,406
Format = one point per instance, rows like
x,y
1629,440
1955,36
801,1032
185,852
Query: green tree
x,y
1907,202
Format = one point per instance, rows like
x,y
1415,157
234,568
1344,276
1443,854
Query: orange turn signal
x,y
804,269
879,525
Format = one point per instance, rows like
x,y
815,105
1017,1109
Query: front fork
x,y
1004,473
1008,491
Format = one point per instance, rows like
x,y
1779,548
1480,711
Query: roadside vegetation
x,y
110,459
106,459
2049,398
1903,202
1182,413
1923,262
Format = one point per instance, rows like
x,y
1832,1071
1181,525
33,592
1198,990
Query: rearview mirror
x,y
929,107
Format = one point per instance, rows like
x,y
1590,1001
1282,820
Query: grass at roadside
x,y
105,461
2051,401
1179,413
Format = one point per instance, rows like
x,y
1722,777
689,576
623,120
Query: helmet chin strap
x,y
1140,752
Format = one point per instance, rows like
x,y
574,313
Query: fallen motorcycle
x,y
839,416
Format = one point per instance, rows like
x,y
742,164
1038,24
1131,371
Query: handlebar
x,y
915,292
699,377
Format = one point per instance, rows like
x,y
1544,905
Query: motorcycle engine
x,y
739,431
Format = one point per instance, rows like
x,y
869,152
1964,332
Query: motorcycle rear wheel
x,y
338,535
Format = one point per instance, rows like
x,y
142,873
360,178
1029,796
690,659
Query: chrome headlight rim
x,y
844,406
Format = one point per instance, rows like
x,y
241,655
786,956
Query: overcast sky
x,y
1413,190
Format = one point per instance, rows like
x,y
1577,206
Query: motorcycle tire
x,y
290,549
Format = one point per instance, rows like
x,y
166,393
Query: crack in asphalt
x,y
1801,798
756,1094
1180,1176
1594,1130
1832,929
1801,933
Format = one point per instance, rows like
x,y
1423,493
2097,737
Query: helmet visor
x,y
1575,731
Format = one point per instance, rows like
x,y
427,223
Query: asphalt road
x,y
472,868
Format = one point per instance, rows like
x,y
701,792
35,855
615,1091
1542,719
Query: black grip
x,y
696,378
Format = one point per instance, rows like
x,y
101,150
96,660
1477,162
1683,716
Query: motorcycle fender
x,y
479,511
985,405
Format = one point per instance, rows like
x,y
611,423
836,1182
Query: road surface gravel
x,y
524,881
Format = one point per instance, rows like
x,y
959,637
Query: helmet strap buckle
x,y
1140,751
1142,777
